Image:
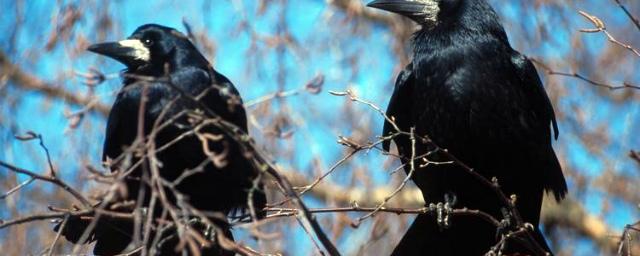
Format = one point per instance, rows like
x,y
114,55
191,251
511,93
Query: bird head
x,y
149,45
425,12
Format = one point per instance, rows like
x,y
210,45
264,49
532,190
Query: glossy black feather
x,y
474,95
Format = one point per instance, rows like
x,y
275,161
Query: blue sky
x,y
315,123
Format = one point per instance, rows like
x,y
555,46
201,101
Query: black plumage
x,y
181,87
472,94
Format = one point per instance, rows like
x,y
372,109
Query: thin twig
x,y
600,27
550,71
412,168
633,19
287,212
60,215
55,240
49,179
16,188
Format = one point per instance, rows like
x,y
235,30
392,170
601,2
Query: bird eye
x,y
147,42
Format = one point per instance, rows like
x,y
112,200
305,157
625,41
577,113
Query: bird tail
x,y
554,179
170,239
252,202
260,202
112,236
74,228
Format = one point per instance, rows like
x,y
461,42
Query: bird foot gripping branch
x,y
443,210
506,224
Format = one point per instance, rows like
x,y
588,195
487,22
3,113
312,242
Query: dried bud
x,y
314,86
30,135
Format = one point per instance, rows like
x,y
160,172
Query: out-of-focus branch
x,y
401,28
572,215
26,81
357,8
618,185
635,156
330,192
313,86
631,17
552,72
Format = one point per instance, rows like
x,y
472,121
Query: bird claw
x,y
443,217
506,223
443,210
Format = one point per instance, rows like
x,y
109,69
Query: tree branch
x,y
30,82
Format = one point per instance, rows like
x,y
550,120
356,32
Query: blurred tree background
x,y
284,57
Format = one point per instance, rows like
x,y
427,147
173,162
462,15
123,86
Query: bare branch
x,y
600,27
633,19
550,71
50,179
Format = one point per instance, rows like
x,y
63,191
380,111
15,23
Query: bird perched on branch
x,y
475,96
187,123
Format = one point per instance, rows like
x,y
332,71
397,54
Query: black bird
x,y
472,94
180,87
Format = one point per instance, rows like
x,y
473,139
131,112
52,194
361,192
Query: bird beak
x,y
131,52
420,11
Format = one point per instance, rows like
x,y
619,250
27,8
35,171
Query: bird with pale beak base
x,y
475,96
173,101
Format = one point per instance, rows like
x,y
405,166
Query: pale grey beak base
x,y
421,11
131,52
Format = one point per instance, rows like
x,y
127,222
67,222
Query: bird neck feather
x,y
474,21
